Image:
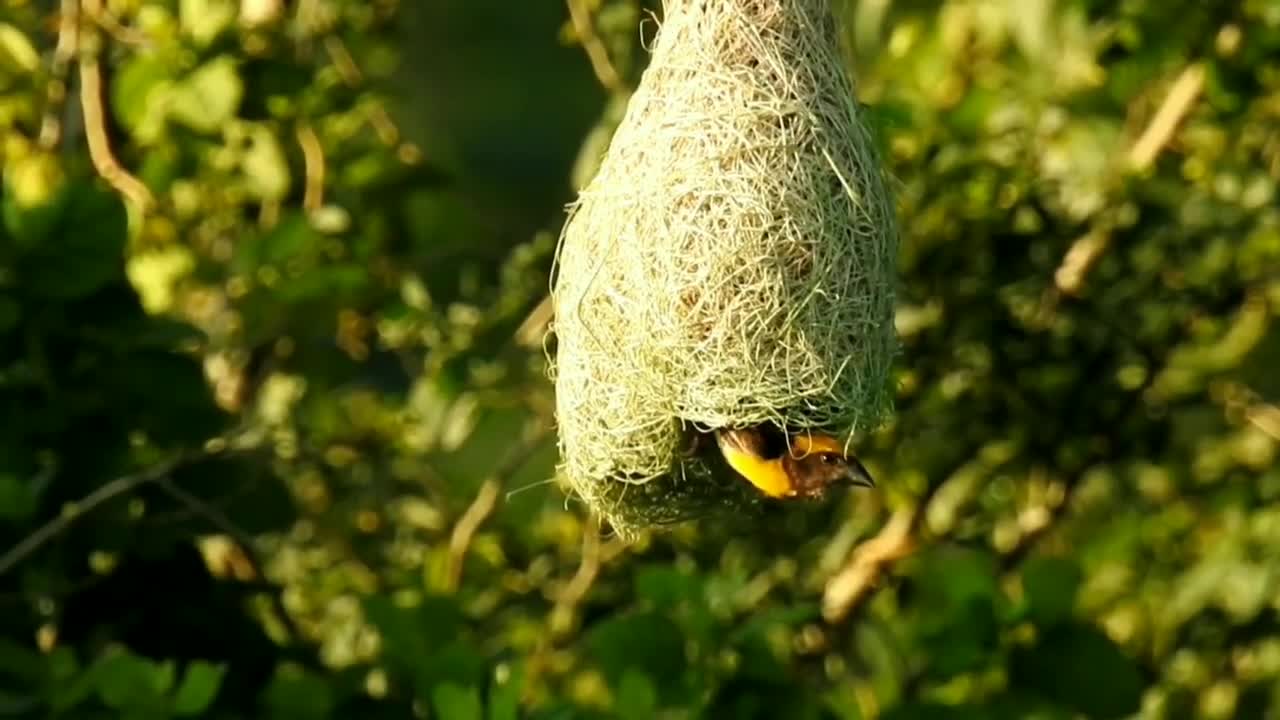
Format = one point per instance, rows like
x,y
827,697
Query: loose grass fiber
x,y
731,263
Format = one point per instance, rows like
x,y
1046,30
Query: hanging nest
x,y
731,263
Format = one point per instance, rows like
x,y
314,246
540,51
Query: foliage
x,y
276,425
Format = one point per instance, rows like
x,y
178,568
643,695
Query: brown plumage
x,y
803,466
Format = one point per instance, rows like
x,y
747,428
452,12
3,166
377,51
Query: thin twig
x,y
1177,103
465,529
269,213
1080,258
563,615
349,70
1265,417
95,127
386,129
597,54
64,54
112,26
217,519
1032,534
1241,401
346,65
247,543
534,326
588,568
77,510
870,560
1085,251
313,162
486,501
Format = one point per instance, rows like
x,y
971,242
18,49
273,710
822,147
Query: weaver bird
x,y
804,466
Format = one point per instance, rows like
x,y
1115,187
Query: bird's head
x,y
819,462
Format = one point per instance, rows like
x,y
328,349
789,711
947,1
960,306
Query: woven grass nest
x,y
731,263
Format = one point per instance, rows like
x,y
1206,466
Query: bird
x,y
802,466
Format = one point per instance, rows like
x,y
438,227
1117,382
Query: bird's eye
x,y
828,459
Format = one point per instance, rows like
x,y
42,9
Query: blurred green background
x,y
276,430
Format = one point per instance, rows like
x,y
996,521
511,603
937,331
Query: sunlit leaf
x,y
453,702
209,97
137,95
198,688
17,54
204,20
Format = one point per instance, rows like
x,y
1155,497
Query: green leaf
x,y
19,665
16,500
187,415
292,238
198,688
504,693
67,686
1002,708
10,314
17,54
63,664
454,702
148,333
1049,585
1078,667
643,642
409,634
957,619
126,681
325,282
136,93
83,250
34,191
297,694
209,97
458,662
950,577
425,644
265,168
666,587
262,505
637,699
205,20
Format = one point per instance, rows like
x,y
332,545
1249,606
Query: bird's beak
x,y
858,474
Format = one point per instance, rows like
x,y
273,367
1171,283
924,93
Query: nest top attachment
x,y
731,263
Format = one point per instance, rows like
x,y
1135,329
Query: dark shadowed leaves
x,y
300,694
645,642
427,644
198,688
74,244
1078,667
1049,585
958,605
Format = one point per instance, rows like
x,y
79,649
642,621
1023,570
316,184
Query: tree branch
x,y
597,54
74,511
247,543
486,501
95,127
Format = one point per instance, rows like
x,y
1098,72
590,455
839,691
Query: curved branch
x,y
74,511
